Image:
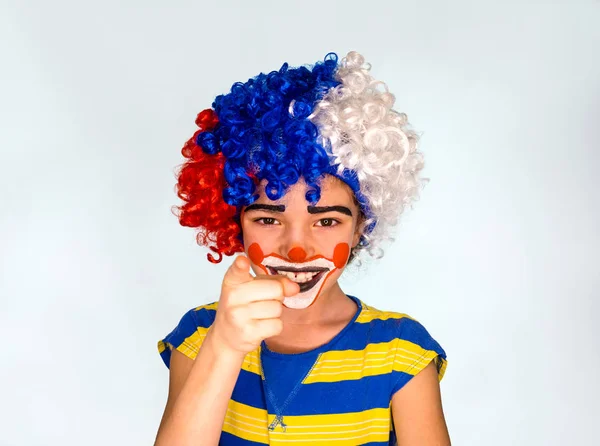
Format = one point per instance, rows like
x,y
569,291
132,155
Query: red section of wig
x,y
200,185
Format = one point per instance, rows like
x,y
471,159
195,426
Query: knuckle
x,y
275,287
236,315
233,295
277,325
273,326
270,309
246,333
277,308
281,283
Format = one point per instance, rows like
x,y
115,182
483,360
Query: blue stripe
x,y
248,390
378,331
369,392
228,439
166,356
205,317
374,332
379,443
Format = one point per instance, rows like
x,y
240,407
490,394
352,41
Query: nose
x,y
297,254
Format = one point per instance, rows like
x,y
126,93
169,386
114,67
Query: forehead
x,y
332,190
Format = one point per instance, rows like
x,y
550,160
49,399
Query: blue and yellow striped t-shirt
x,y
339,393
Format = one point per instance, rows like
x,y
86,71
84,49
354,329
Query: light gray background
x,y
499,259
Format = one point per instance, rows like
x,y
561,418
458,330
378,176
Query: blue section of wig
x,y
260,135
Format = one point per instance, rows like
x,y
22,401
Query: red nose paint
x,y
255,254
341,254
297,254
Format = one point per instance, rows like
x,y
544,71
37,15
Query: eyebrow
x,y
265,207
323,209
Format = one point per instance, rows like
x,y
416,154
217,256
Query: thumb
x,y
238,272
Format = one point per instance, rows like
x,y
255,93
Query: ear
x,y
355,239
359,230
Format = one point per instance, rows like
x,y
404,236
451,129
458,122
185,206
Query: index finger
x,y
264,288
290,288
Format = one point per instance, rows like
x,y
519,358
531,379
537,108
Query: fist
x,y
249,307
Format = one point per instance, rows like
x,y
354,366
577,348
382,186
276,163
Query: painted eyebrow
x,y
265,207
323,209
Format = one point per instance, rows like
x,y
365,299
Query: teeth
x,y
298,277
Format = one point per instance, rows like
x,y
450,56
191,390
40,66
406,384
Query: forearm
x,y
199,411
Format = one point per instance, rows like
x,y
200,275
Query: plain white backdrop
x,y
499,259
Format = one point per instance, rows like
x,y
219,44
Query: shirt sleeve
x,y
188,335
414,350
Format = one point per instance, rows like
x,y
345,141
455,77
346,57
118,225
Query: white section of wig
x,y
361,131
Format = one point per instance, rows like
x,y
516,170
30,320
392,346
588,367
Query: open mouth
x,y
306,277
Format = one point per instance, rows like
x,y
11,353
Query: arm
x,y
417,411
199,393
200,389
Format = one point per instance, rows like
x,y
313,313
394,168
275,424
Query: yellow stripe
x,y
345,429
342,365
252,362
367,316
442,371
190,345
420,363
246,422
375,359
250,423
212,306
411,358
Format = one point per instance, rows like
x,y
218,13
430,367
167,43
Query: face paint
x,y
255,254
310,274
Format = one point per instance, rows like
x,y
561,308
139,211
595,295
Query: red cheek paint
x,y
341,254
255,254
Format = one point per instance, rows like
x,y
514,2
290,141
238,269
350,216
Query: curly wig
x,y
332,118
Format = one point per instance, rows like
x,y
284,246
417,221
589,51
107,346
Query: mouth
x,y
306,277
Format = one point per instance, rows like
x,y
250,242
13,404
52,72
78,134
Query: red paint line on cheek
x,y
255,254
341,254
322,285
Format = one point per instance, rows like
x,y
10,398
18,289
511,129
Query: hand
x,y
249,307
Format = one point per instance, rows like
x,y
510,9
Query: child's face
x,y
310,244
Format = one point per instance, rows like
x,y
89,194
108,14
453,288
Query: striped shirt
x,y
337,394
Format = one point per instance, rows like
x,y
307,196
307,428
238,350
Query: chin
x,y
315,272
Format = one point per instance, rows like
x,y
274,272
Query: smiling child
x,y
301,171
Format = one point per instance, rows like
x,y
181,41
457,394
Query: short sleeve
x,y
188,335
414,350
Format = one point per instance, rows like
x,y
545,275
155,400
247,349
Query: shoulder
x,y
188,335
391,323
370,314
410,343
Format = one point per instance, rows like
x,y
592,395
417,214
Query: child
x,y
303,170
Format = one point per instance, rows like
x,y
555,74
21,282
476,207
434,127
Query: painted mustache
x,y
306,276
308,283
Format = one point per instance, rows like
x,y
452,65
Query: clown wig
x,y
332,118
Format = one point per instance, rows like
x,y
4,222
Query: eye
x,y
328,222
267,221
